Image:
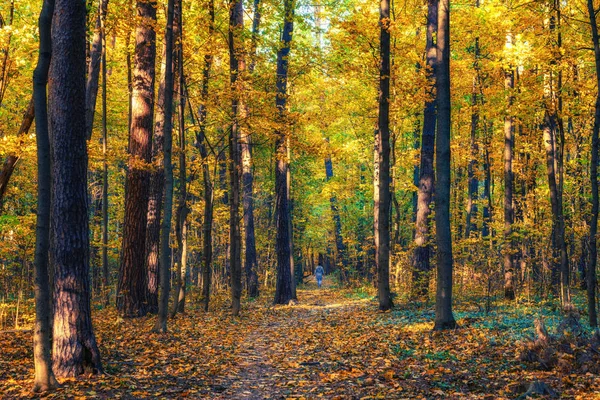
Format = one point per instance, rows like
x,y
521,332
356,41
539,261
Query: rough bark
x,y
382,216
155,195
236,67
202,144
132,286
250,259
164,265
74,349
422,252
509,214
44,379
284,287
591,273
93,74
444,319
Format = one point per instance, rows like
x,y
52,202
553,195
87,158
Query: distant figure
x,y
319,275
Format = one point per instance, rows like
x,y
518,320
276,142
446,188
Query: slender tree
x,y
284,289
444,319
74,345
44,377
93,74
509,213
591,273
105,273
202,145
250,259
422,252
382,137
236,67
165,229
132,286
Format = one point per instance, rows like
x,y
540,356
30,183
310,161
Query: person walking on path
x,y
319,275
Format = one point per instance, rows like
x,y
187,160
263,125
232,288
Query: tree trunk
x,y
182,208
337,221
93,74
155,195
473,181
237,67
74,345
105,273
164,265
201,144
422,252
284,290
250,260
509,215
132,285
44,377
591,273
382,213
444,319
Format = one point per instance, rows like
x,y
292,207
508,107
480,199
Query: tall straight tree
x,y
165,228
44,379
382,180
74,345
155,195
93,75
284,289
444,319
422,252
132,286
236,67
591,273
509,213
250,259
202,145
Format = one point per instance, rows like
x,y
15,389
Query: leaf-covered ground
x,y
333,344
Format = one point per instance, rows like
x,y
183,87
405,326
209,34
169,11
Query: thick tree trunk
x,y
382,214
164,265
74,345
44,377
509,214
237,67
591,273
93,74
444,319
132,286
422,252
284,290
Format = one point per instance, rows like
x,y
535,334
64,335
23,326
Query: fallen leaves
x,y
330,345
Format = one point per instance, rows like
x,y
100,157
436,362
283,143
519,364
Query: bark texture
x,y
382,211
44,379
284,289
444,319
422,252
74,350
132,286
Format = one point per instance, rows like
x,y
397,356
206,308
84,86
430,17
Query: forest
x,y
294,199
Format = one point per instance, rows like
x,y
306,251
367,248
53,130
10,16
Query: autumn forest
x,y
293,199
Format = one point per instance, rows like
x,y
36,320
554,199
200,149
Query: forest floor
x,y
332,344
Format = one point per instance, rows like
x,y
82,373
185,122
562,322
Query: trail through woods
x,y
332,344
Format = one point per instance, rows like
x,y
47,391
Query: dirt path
x,y
262,371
